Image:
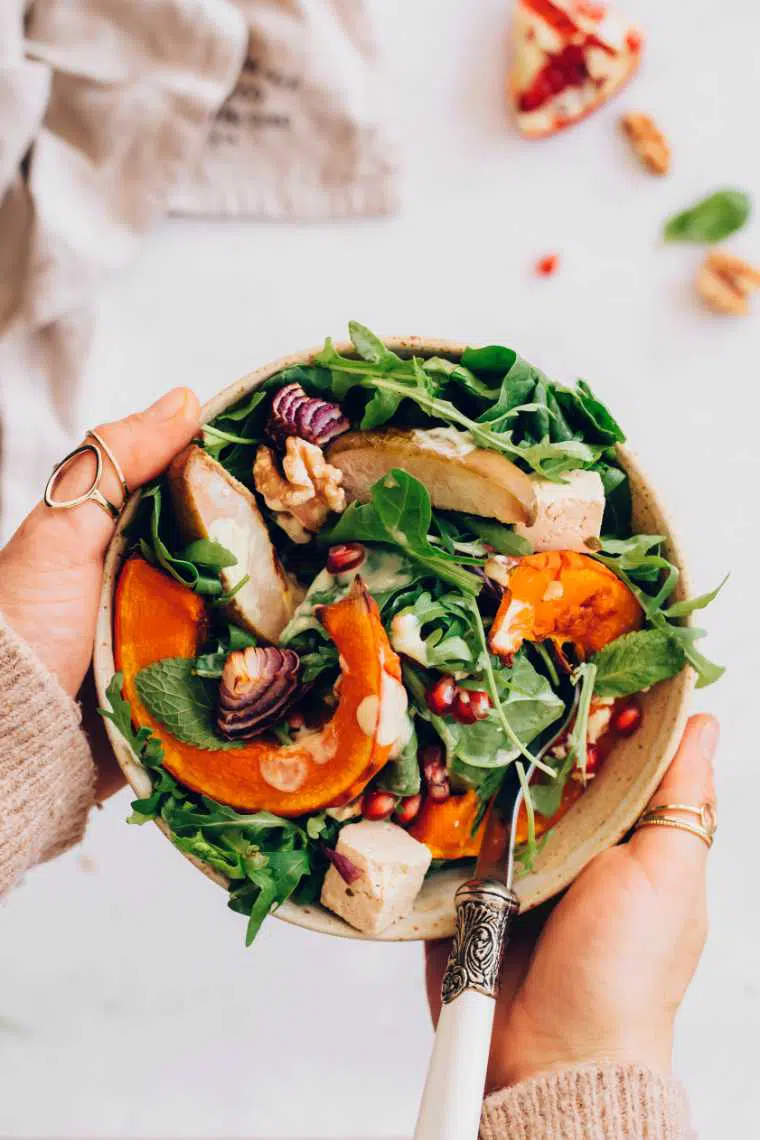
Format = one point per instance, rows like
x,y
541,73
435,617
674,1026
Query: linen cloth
x,y
114,111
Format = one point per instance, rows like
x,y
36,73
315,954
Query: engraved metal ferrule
x,y
484,911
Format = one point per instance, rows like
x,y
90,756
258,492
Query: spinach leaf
x,y
711,219
636,661
399,514
182,701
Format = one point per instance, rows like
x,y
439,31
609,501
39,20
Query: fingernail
x,y
708,737
168,406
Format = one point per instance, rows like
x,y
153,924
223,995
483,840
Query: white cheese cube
x,y
392,866
567,513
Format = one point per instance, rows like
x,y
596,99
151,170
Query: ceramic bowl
x,y
599,819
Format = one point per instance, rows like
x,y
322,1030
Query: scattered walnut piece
x,y
304,492
724,283
648,141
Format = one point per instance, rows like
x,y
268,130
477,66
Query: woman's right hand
x,y
605,977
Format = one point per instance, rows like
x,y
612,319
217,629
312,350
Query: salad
x,y
375,584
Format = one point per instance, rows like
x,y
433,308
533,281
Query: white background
x,y
128,1004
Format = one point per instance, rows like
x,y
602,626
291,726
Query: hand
x,y
604,978
51,570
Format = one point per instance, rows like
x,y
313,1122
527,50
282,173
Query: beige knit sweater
x,y
46,791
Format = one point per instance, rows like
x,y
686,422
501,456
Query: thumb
x,y
143,444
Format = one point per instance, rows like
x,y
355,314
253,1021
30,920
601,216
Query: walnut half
x,y
724,282
648,141
304,492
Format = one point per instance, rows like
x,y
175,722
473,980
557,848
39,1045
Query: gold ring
x,y
704,830
93,494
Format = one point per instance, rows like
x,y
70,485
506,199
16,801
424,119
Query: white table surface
x,y
128,1005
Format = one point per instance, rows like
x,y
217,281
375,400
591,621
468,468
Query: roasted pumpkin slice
x,y
156,617
446,828
561,596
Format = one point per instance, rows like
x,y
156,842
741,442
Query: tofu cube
x,y
568,513
392,866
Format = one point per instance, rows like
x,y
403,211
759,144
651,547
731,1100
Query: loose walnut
x,y
304,492
724,283
648,141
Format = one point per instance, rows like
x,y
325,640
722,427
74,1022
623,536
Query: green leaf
x,y
182,702
492,359
205,552
690,605
502,538
711,219
636,661
399,514
370,347
401,776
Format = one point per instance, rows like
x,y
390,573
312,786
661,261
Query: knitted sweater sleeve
x,y
590,1102
47,774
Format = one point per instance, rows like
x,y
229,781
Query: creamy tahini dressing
x,y
285,772
381,571
385,716
406,637
447,441
507,638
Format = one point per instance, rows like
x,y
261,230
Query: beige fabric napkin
x,y
303,134
106,107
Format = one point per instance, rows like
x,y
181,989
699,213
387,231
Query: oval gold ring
x,y
657,816
93,494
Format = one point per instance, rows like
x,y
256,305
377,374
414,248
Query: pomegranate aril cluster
x,y
446,698
293,412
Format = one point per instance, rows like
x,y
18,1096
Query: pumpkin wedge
x,y
157,617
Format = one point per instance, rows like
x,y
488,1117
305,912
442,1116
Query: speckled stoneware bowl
x,y
599,819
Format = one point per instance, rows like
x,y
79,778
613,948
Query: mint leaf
x,y
636,661
712,219
182,702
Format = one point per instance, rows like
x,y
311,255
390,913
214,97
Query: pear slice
x,y
210,503
458,475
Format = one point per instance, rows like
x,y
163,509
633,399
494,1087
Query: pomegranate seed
x,y
633,41
408,809
434,772
592,759
377,804
545,266
471,705
345,557
627,720
442,695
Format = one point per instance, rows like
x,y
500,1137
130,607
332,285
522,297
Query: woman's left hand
x,y
51,570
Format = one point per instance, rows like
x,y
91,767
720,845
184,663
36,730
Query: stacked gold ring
x,y
93,494
657,816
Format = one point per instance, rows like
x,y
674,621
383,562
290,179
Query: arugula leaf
x,y
206,552
182,701
503,539
399,514
636,661
401,776
690,605
711,219
638,563
392,379
265,858
183,567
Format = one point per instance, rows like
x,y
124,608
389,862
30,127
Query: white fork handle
x,y
450,1108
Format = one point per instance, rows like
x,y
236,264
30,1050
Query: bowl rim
x,y
313,916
